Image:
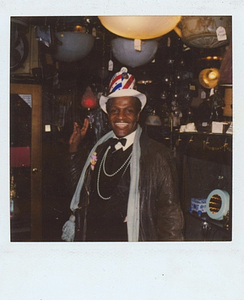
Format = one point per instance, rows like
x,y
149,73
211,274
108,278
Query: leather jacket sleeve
x,y
161,214
169,215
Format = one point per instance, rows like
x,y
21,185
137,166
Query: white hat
x,y
122,84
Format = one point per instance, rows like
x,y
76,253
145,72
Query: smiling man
x,y
123,114
127,190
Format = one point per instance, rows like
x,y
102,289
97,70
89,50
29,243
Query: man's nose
x,y
121,114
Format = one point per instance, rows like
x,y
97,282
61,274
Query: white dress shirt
x,y
129,141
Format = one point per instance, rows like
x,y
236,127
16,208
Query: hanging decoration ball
x,y
205,31
89,100
140,27
73,46
123,50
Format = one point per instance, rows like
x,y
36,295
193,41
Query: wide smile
x,y
121,125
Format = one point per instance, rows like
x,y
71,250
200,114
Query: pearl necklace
x,y
102,165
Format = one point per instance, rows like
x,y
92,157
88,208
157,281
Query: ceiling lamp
x,y
209,78
140,27
124,51
205,31
73,46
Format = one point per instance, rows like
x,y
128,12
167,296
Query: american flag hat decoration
x,y
122,84
121,80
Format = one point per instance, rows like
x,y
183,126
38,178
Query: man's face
x,y
123,115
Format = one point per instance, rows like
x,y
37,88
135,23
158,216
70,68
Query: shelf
x,y
204,228
205,218
212,147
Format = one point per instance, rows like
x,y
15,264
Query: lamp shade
x,y
140,27
209,78
153,120
89,100
73,46
201,31
123,50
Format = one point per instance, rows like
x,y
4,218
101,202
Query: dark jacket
x,y
161,218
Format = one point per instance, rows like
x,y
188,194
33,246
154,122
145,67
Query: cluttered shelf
x,y
215,147
203,228
221,224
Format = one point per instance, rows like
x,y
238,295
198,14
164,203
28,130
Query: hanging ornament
x,y
89,100
90,117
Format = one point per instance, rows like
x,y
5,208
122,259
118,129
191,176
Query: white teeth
x,y
121,124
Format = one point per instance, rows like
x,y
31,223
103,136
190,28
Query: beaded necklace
x,y
102,166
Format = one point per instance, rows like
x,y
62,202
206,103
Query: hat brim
x,y
120,93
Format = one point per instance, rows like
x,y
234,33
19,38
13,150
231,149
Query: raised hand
x,y
78,135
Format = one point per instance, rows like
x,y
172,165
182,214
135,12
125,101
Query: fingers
x,y
85,126
81,130
75,126
86,123
78,135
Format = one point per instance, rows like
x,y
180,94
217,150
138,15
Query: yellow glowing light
x,y
78,28
212,75
209,77
140,27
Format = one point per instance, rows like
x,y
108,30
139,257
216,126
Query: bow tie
x,y
115,141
